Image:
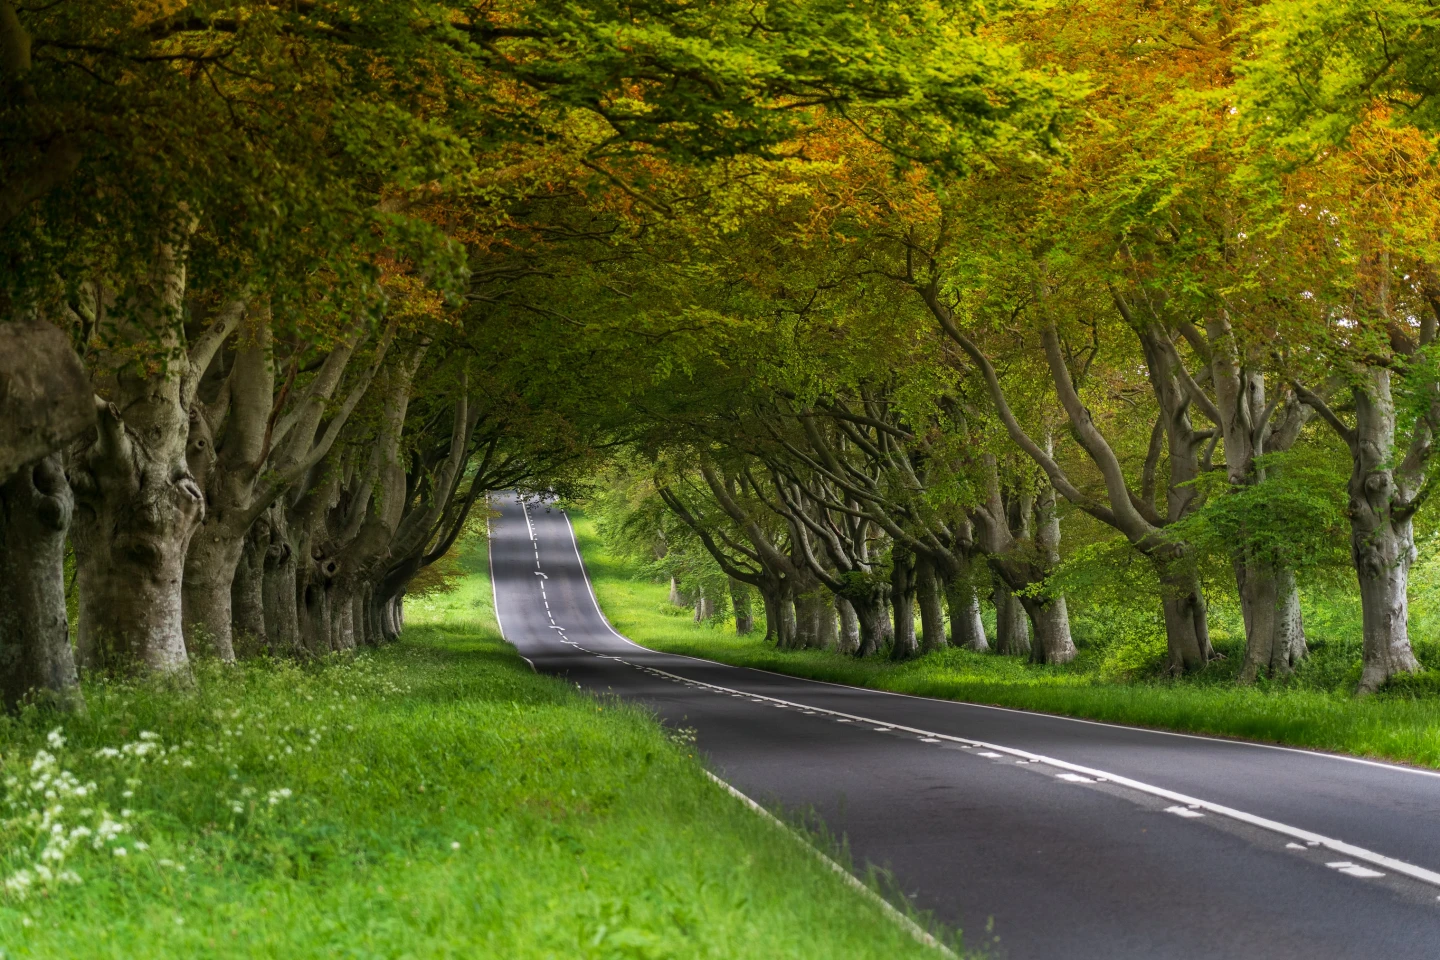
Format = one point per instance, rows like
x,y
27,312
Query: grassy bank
x,y
431,799
1390,726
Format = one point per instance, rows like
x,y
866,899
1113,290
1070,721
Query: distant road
x,y
1044,837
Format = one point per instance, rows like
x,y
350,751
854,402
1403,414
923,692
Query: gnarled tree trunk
x,y
35,656
849,638
247,594
932,614
1187,634
966,628
1274,635
741,601
45,402
902,599
1012,624
1382,539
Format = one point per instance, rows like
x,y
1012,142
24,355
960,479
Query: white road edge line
x,y
1314,839
910,926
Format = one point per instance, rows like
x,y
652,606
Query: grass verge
x,y
1392,726
430,799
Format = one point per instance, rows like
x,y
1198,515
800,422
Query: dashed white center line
x,y
988,753
882,729
928,740
1073,778
1183,812
1354,870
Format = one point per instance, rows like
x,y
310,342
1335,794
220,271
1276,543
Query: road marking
x,y
883,729
928,740
1294,846
1191,803
1186,806
910,926
1354,870
1073,778
585,573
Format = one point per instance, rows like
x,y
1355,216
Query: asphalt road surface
x,y
1037,836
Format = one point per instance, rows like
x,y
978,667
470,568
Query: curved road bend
x,y
1041,836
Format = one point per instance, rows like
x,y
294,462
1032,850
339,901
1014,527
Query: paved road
x,y
1041,836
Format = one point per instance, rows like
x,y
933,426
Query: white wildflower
x,y
120,852
56,739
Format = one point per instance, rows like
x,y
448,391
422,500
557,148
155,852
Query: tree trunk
x,y
136,509
1382,539
1274,634
704,607
932,614
1049,614
1187,634
1012,624
315,625
742,603
35,656
676,600
247,596
966,628
849,639
902,599
873,618
360,613
342,606
779,616
809,616
280,592
1051,619
210,566
827,621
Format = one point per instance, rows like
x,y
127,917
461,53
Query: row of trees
x,y
885,291
289,286
1207,333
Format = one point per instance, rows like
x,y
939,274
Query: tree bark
x,y
1382,538
902,599
741,601
1187,634
137,507
873,616
279,588
247,594
966,628
1048,612
849,638
1270,603
809,619
137,502
1051,620
1012,624
932,614
36,662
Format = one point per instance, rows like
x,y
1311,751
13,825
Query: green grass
x,y
443,801
1314,711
